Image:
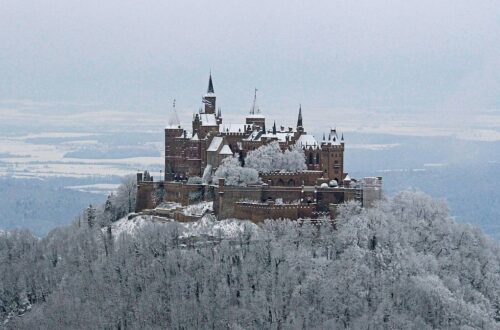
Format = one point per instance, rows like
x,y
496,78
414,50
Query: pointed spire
x,y
299,120
210,89
255,108
323,136
274,128
342,138
173,120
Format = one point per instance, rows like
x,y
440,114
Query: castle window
x,y
317,158
311,160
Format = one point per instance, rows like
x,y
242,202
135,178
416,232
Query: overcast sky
x,y
385,56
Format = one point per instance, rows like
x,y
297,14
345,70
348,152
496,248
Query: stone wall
x,y
292,179
184,193
146,195
299,202
259,212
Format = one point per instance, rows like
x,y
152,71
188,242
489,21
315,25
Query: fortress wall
x,y
293,179
288,194
146,195
181,192
227,196
259,212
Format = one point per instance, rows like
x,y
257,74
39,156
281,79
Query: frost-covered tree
x,y
126,195
234,174
270,158
294,159
207,174
403,264
90,216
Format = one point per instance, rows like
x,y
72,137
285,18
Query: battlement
x,y
260,212
293,179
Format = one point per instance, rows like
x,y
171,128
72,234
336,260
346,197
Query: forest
x,y
403,264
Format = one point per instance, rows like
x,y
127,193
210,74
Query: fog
x,y
395,56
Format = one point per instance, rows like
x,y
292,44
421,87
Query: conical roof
x,y
173,118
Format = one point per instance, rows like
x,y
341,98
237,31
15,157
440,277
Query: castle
x,y
198,152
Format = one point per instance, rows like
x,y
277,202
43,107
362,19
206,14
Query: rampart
x,y
292,179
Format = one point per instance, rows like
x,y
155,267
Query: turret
x,y
173,130
173,119
332,156
300,127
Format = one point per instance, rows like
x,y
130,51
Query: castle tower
x,y
332,157
255,117
173,130
209,99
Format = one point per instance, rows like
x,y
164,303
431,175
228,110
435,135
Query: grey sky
x,y
388,56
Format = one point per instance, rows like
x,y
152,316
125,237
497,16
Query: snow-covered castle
x,y
200,149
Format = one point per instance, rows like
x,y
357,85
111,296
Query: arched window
x,y
311,160
291,183
317,158
280,182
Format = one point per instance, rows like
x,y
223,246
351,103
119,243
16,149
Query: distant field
x,y
47,178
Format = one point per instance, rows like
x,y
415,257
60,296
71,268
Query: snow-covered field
x,y
207,226
98,188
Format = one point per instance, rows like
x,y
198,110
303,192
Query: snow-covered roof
x,y
173,119
225,150
307,140
208,119
332,138
195,137
280,136
254,135
257,115
173,127
215,144
233,128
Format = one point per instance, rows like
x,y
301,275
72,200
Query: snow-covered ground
x,y
206,226
198,209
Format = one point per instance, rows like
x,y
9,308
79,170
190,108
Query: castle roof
x,y
225,150
215,144
280,135
332,138
257,115
307,140
173,119
208,119
233,128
